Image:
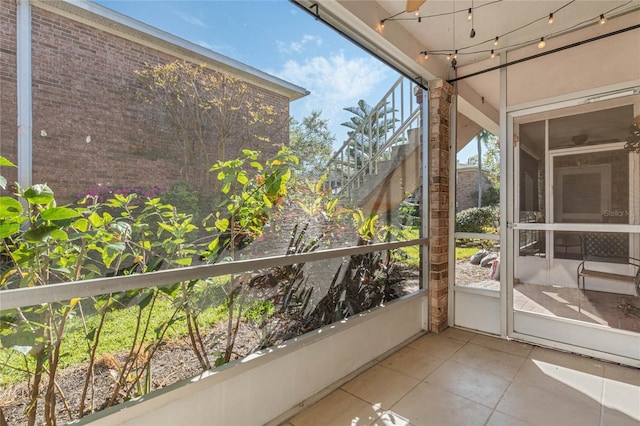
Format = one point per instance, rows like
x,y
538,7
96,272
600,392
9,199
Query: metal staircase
x,y
378,165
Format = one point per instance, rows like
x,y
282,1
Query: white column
x,y
23,59
634,190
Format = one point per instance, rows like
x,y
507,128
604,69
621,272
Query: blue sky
x,y
279,38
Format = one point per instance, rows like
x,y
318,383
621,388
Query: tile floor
x,y
463,378
620,311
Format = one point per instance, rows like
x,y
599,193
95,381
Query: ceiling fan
x,y
414,5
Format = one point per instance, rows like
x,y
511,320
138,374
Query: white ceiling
x,y
519,24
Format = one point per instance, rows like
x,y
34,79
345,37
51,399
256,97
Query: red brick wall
x,y
467,188
439,106
99,133
8,107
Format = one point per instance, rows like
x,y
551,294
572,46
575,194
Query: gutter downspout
x,y
425,203
24,97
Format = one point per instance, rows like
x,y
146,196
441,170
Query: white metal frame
x,y
509,181
30,296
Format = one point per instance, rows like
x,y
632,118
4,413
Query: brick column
x,y
440,95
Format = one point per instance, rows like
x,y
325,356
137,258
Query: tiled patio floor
x,y
620,311
462,378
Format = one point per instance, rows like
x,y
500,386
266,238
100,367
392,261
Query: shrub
x,y
490,196
102,194
183,198
409,213
476,218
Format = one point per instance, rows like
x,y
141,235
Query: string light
x,y
418,12
542,43
472,34
382,23
452,55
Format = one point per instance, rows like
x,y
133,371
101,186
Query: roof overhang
x,y
128,28
441,27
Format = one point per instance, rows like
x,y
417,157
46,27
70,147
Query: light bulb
x,y
469,15
551,18
382,24
418,12
472,34
602,19
455,55
426,55
493,54
495,42
448,56
542,43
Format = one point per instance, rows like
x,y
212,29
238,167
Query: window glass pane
x,y
531,151
532,172
127,344
593,128
592,277
592,187
116,123
478,263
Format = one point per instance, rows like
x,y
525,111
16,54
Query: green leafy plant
x,y
475,218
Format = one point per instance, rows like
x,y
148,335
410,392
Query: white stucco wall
x,y
606,62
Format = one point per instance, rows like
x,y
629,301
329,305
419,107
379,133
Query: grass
x,y
465,252
411,255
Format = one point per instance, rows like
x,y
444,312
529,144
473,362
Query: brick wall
x,y
90,129
8,107
467,188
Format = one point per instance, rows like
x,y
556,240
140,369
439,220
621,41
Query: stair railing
x,y
384,128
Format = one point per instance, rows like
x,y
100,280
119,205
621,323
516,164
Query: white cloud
x,y
224,48
299,46
189,19
336,82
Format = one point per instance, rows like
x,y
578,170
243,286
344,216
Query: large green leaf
x,y
81,225
222,224
5,162
39,233
59,235
9,207
96,220
59,213
39,194
9,229
184,261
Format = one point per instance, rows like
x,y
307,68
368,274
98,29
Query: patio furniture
x,y
608,248
571,246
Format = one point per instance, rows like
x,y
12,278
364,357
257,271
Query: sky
x,y
279,38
